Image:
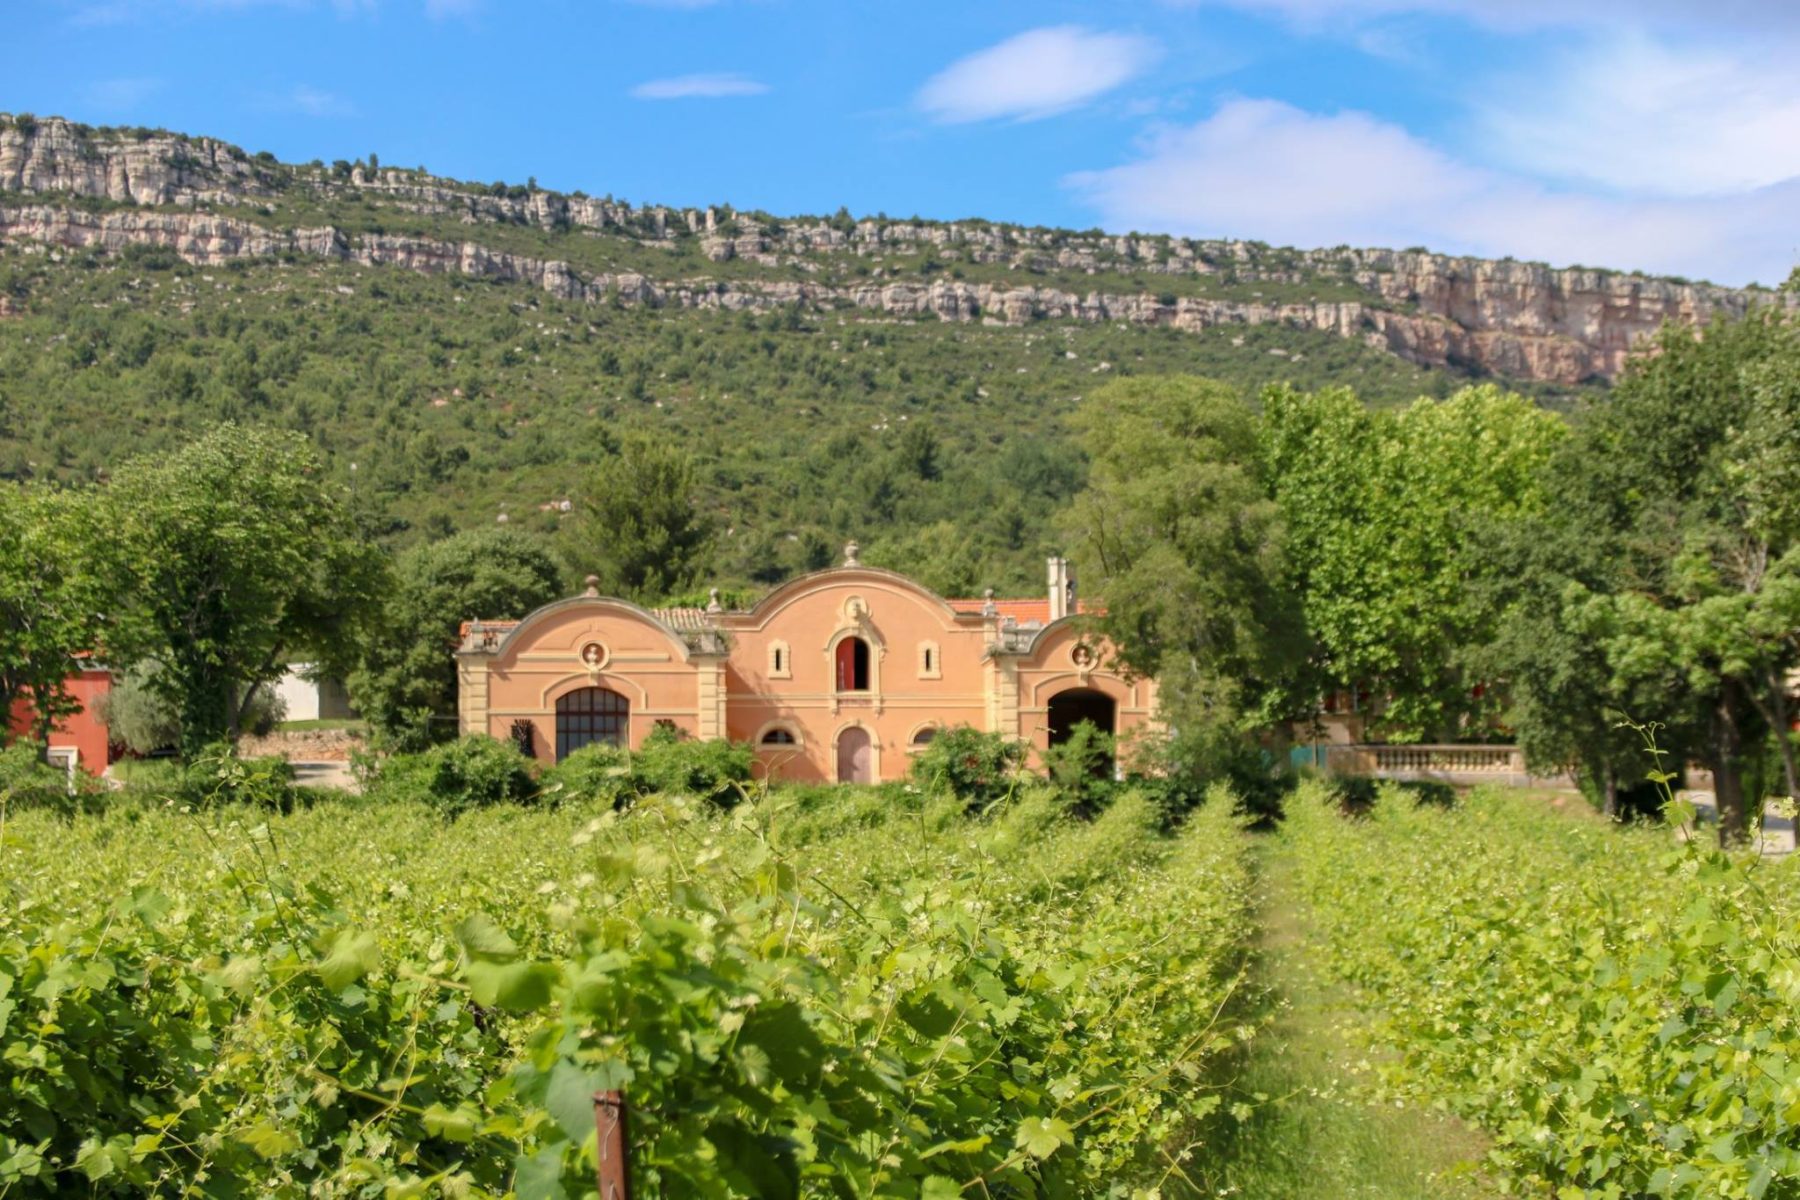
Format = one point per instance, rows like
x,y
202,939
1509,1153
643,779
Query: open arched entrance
x,y
1069,709
855,756
590,715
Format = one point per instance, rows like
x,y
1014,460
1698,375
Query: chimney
x,y
1062,589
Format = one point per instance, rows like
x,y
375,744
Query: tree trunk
x,y
1779,721
1609,789
1728,771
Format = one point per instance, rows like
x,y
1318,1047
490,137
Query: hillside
x,y
465,352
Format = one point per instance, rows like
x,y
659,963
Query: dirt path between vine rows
x,y
1317,1136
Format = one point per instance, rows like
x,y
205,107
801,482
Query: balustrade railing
x,y
1410,762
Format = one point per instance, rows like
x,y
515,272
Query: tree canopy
x,y
229,559
405,685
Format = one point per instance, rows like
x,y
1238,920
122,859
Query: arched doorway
x,y
1069,709
855,756
590,715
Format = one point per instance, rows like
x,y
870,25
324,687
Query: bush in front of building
x,y
978,768
219,776
716,771
27,781
1081,768
472,772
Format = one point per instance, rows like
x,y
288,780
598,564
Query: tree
x,y
639,530
1382,510
1680,482
405,685
1178,540
941,556
233,556
1563,703
50,603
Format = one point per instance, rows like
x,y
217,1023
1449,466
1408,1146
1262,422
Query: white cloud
x,y
688,87
1754,15
1035,74
1263,169
1631,113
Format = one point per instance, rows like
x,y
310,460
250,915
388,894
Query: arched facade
x,y
853,648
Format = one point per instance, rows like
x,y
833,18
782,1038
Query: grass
x,y
1321,1136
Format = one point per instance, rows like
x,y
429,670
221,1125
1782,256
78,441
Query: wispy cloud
x,y
699,87
1268,170
121,95
1628,111
1754,15
1035,74
440,10
311,102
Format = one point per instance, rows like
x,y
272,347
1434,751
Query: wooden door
x,y
855,756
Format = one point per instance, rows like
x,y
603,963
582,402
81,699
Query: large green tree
x,y
405,685
1178,540
50,602
1382,510
233,557
637,527
1681,485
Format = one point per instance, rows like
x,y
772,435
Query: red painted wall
x,y
84,730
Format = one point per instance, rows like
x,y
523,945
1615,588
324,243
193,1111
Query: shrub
x,y
714,770
471,772
27,781
144,720
596,772
979,768
218,776
1081,768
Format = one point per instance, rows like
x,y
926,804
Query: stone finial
x,y
988,607
712,601
593,586
851,550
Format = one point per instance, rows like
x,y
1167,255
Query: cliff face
x,y
1514,319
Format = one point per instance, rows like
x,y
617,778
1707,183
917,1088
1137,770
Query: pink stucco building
x,y
843,674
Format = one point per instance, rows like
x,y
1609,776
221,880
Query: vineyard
x,y
872,992
1618,1013
817,993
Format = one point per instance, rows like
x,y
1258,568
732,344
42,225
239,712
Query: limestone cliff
x,y
65,185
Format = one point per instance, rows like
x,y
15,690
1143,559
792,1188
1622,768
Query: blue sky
x,y
1650,134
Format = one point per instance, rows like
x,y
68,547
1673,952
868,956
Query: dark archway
x,y
591,715
1069,709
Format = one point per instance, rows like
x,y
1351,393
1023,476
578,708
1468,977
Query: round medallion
x,y
1082,656
594,656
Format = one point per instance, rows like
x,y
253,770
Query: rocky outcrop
x,y
1522,320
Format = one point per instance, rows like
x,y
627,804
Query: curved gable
x,y
847,579
561,624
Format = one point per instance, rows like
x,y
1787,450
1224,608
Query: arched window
x,y
853,665
590,715
780,737
930,661
923,737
